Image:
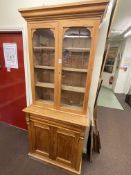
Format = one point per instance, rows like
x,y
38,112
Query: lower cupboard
x,y
57,143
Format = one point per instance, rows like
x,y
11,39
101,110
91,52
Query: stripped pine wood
x,y
62,45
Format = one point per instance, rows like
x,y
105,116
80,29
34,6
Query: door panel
x,y
12,84
42,138
65,144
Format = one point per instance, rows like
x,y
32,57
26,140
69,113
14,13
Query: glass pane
x,y
44,94
44,56
43,47
76,51
74,78
45,76
72,98
108,68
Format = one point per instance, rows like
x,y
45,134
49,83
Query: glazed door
x,y
110,65
43,55
12,84
76,52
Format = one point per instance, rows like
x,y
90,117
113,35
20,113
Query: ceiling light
x,y
116,32
127,33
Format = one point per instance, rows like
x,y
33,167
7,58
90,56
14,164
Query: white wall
x,y
9,15
99,56
10,18
123,81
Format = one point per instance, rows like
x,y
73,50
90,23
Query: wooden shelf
x,y
44,67
64,68
46,85
74,69
74,107
109,65
40,101
76,49
81,36
73,88
37,48
64,87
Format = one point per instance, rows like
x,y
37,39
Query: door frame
x,y
25,55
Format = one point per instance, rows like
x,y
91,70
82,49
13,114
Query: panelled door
x,y
41,138
56,142
12,84
68,144
76,54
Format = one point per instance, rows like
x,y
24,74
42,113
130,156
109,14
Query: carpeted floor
x,y
114,159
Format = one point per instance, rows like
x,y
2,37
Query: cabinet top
x,y
91,9
53,114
